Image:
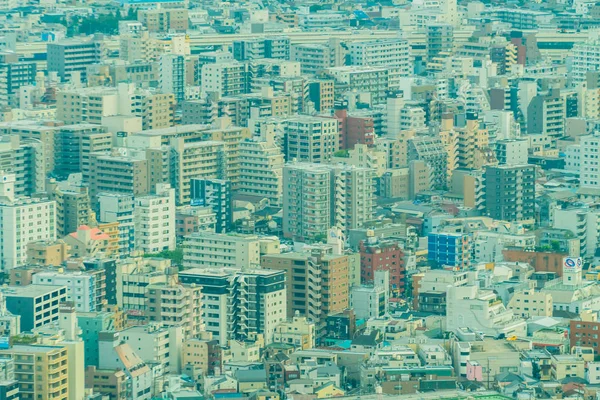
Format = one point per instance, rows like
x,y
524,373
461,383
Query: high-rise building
x,y
23,221
73,56
586,57
382,255
164,20
115,172
510,192
116,207
74,144
311,139
305,216
172,75
440,38
390,53
214,250
314,58
154,220
216,194
14,75
262,161
73,207
254,300
226,79
186,311
271,47
432,151
49,377
449,249
85,289
341,196
25,159
317,283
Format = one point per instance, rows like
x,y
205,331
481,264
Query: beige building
x,y
175,304
567,365
164,19
530,303
117,172
207,249
317,283
41,371
299,332
262,161
52,253
90,105
311,139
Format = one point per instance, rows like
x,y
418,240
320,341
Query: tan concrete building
x,y
164,19
175,304
530,303
118,173
42,371
317,283
299,332
52,253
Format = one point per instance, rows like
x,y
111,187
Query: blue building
x,y
449,249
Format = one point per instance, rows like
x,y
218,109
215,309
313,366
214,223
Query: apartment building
x,y
172,304
14,75
432,151
225,79
91,105
307,217
23,220
172,70
42,371
154,220
318,283
70,57
118,172
26,159
586,57
262,161
373,81
85,289
215,194
314,58
510,192
164,20
254,300
529,303
257,48
214,250
390,53
311,139
118,208
382,255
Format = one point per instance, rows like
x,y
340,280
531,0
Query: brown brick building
x,y
585,333
385,256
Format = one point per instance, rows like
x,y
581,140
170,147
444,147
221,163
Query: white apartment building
x,y
118,207
154,220
306,216
354,194
261,161
81,287
172,75
589,161
586,57
22,221
217,250
225,79
311,139
389,53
